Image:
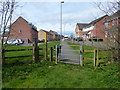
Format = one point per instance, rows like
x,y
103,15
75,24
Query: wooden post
x,y
35,52
51,54
45,46
3,56
97,62
95,54
56,54
81,55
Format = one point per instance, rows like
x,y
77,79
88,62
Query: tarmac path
x,y
68,55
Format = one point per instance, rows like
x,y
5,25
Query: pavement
x,y
68,55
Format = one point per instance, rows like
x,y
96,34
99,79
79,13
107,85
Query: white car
x,y
14,42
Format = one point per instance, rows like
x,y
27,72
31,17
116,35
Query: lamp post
x,y
62,1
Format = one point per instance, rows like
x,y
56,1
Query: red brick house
x,y
56,36
22,29
93,29
113,20
111,24
98,30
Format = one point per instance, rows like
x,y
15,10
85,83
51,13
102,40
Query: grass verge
x,y
49,75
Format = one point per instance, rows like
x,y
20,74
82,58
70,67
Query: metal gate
x,y
69,53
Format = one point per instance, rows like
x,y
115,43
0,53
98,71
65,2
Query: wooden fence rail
x,y
88,50
22,50
96,58
35,51
18,50
17,56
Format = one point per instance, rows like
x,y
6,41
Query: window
x,y
106,24
106,34
20,31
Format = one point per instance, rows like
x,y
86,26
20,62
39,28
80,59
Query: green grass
x,y
49,75
23,53
91,54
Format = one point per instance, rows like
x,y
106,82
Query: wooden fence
x,y
96,58
35,53
54,50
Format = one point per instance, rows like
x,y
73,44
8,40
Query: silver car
x,y
14,42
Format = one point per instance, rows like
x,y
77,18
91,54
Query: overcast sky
x,y
46,15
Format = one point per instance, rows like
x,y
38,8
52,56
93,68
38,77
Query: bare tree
x,y
108,7
6,11
113,32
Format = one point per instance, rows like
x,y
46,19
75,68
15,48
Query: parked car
x,y
14,42
79,39
95,39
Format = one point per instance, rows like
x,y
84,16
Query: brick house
x,y
112,22
56,36
78,29
93,29
98,30
42,33
22,29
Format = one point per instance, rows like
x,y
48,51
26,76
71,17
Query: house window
x,y
20,31
106,34
106,24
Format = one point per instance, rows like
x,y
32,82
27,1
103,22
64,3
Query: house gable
x,y
21,29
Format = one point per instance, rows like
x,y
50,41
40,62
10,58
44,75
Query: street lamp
x,y
62,1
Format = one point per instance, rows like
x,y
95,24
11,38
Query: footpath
x,y
68,55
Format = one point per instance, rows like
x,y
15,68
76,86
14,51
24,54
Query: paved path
x,y
68,55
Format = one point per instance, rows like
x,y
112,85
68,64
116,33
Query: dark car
x,y
80,39
95,39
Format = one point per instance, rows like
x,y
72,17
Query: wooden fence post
x,y
81,55
56,54
35,52
45,46
95,54
45,50
97,62
51,54
3,55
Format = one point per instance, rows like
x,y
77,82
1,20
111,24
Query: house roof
x,y
97,20
85,33
116,15
81,25
45,31
25,21
54,32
